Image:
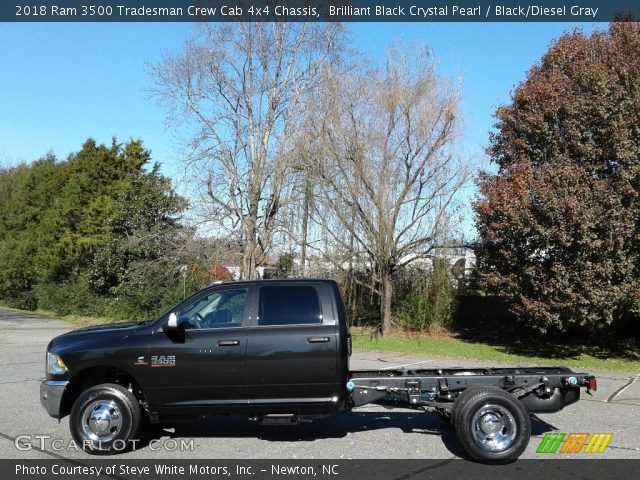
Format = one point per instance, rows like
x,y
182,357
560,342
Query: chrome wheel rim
x,y
101,421
494,428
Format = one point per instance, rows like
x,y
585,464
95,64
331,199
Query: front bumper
x,y
51,392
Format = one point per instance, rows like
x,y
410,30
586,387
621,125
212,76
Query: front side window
x,y
289,305
219,309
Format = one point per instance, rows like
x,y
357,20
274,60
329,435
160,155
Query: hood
x,y
96,336
104,327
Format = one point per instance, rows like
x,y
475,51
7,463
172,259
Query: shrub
x,y
73,298
430,301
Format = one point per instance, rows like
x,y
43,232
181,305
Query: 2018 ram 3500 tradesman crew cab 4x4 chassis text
x,y
277,351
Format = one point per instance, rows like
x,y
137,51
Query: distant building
x,y
463,256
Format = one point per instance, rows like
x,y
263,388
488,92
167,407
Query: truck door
x,y
204,365
292,354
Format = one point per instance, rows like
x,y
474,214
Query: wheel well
x,y
89,377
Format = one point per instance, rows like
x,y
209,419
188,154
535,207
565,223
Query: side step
x,y
282,419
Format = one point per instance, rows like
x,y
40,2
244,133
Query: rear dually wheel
x,y
492,425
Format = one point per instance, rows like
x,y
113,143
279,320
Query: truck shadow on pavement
x,y
335,426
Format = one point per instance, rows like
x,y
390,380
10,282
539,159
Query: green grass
x,y
451,347
80,320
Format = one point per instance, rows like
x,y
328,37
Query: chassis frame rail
x,y
540,389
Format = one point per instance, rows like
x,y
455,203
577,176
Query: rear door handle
x,y
317,339
228,343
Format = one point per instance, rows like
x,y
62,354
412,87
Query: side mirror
x,y
174,330
172,324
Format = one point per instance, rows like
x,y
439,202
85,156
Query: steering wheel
x,y
198,320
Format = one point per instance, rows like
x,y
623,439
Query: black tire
x,y
492,425
110,408
462,399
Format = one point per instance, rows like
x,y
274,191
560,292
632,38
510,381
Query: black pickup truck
x,y
277,351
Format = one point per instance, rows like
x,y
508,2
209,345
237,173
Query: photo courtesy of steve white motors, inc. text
x,y
192,469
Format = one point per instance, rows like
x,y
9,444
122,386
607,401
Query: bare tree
x,y
241,91
390,176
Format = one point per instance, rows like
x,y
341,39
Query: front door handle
x,y
228,343
317,339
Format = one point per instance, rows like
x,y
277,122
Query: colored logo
x,y
140,361
558,442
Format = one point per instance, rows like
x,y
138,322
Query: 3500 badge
x,y
163,361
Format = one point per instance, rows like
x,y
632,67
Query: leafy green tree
x,y
559,222
98,234
78,221
284,265
143,254
26,192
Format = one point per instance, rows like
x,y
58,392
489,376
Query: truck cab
x,y
264,347
272,349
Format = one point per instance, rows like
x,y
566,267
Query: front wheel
x,y
492,425
104,419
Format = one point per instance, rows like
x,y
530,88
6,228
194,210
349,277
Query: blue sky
x,y
61,83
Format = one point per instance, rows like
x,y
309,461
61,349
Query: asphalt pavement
x,y
370,432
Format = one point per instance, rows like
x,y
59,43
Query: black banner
x,y
120,469
317,10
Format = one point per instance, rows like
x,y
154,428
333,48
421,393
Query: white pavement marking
x,y
617,393
407,364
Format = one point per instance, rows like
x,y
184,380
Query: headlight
x,y
55,365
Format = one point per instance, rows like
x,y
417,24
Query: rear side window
x,y
289,305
